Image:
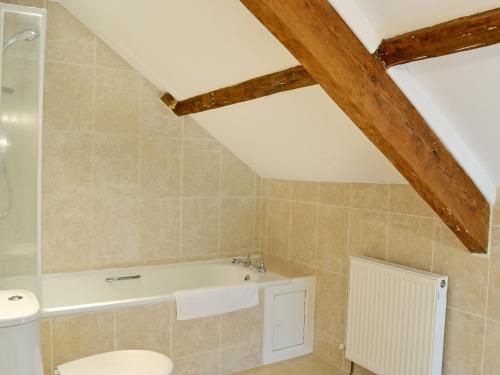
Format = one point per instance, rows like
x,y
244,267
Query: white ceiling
x,y
188,47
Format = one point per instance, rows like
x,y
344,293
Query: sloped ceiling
x,y
188,47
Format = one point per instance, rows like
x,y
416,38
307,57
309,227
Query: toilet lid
x,y
123,362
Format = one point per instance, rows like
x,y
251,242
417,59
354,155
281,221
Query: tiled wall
x,y
126,182
215,345
312,228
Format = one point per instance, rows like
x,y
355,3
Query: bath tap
x,y
247,262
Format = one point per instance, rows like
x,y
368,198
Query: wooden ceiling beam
x,y
324,44
461,34
288,79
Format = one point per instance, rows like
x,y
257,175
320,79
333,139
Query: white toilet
x,y
20,352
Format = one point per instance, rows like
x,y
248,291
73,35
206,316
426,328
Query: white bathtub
x,y
88,291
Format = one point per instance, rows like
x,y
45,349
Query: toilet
x,y
122,362
20,351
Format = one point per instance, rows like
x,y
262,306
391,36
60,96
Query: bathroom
x,y
112,205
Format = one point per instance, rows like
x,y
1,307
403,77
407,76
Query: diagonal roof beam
x,y
323,43
288,79
461,34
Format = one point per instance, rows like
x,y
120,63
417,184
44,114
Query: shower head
x,y
27,35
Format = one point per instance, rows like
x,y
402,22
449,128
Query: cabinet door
x,y
289,314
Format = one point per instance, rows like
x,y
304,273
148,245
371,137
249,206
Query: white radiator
x,y
395,318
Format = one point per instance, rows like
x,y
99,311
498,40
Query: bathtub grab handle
x,y
122,278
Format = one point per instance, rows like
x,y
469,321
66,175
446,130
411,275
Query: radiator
x,y
395,318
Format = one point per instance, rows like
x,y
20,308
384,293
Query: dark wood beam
x,y
461,34
288,79
323,43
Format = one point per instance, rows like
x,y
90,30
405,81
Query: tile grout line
x,y
490,255
139,192
290,222
181,187
316,247
387,222
51,322
92,254
114,324
219,240
220,344
171,321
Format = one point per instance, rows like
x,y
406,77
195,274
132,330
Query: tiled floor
x,y
308,364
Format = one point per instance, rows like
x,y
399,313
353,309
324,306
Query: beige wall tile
x,y
237,224
193,130
327,348
161,166
66,165
358,370
305,191
159,229
67,100
310,364
116,166
257,226
199,364
278,227
277,264
335,193
107,58
263,225
495,238
243,326
145,327
258,185
117,101
330,309
494,287
241,357
462,348
296,269
30,3
370,196
496,211
410,241
333,238
46,342
200,226
187,336
237,179
468,274
201,168
405,200
278,189
368,233
491,345
67,38
78,336
115,233
65,237
156,118
303,232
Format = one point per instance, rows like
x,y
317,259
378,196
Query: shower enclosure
x,y
22,35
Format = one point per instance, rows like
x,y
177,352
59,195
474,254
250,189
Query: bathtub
x,y
76,292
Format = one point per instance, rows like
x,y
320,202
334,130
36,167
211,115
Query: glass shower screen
x,y
22,35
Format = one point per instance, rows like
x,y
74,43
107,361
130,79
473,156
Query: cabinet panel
x,y
289,314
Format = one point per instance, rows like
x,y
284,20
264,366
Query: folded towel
x,y
199,303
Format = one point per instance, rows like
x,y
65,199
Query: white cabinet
x,y
289,320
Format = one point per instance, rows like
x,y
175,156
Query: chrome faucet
x,y
247,262
244,261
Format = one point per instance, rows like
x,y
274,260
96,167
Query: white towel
x,y
199,303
